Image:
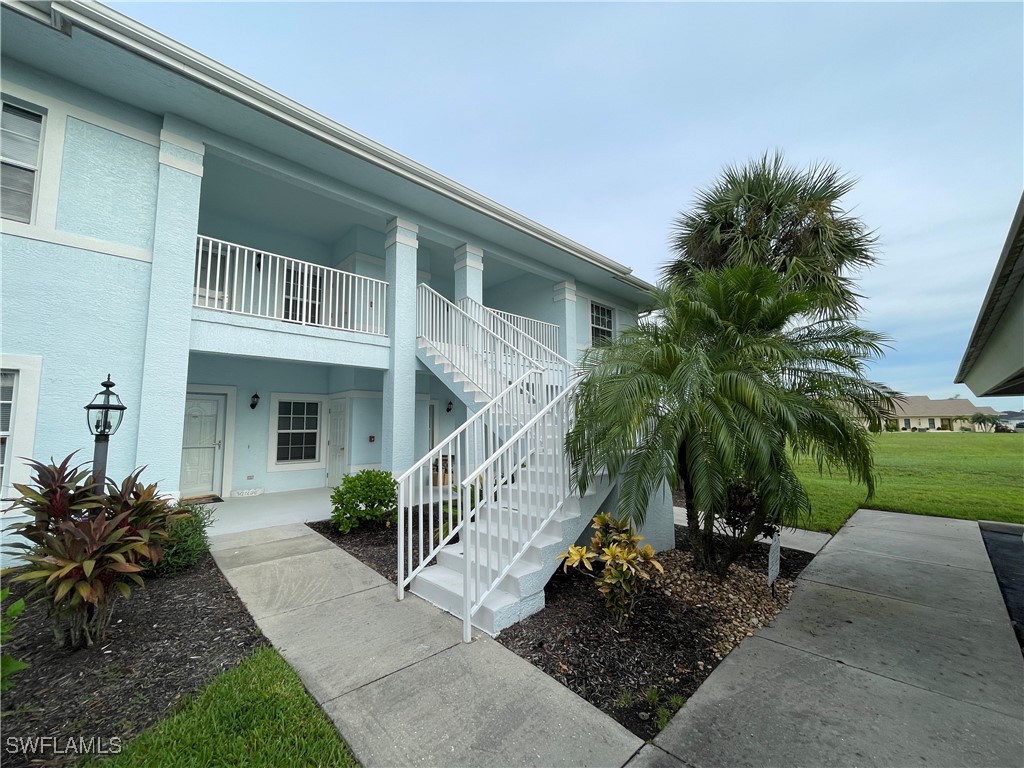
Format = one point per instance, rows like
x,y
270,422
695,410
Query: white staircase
x,y
504,470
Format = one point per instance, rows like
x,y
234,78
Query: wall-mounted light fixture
x,y
449,408
254,401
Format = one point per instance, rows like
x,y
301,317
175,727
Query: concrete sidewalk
x,y
395,678
896,650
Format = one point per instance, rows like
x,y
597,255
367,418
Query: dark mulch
x,y
164,644
687,623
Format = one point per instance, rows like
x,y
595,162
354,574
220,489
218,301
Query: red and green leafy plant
x,y
625,567
86,545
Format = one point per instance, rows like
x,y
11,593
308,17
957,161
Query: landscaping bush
x,y
625,567
9,666
87,544
188,540
369,497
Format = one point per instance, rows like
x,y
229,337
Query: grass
x,y
968,475
257,714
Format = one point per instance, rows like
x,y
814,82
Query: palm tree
x,y
984,420
727,378
766,213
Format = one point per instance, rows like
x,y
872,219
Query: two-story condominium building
x,y
279,300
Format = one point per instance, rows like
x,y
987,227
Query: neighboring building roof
x,y
1000,311
922,406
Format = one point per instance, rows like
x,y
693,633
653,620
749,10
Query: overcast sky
x,y
602,120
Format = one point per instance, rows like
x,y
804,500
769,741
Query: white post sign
x,y
773,561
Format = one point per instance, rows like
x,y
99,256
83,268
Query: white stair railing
x,y
431,498
545,333
558,370
245,281
483,357
526,482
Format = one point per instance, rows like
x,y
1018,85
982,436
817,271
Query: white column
x,y
400,252
165,364
469,273
565,296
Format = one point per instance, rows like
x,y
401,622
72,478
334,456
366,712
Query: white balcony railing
x,y
245,281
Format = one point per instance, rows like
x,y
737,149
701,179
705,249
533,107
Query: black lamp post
x,y
104,416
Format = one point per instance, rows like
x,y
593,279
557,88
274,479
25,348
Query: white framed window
x,y
19,403
298,432
20,139
602,324
8,386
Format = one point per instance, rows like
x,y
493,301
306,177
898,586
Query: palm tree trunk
x,y
702,543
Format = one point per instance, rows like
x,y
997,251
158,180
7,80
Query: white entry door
x,y
202,445
337,459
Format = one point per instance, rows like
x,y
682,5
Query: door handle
x,y
217,444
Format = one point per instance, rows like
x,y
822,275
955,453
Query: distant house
x,y
921,412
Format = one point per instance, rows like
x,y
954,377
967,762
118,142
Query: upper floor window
x,y
19,147
601,324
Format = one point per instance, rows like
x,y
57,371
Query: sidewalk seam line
x,y
325,702
886,677
908,559
318,602
897,599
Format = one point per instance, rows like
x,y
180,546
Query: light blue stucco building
x,y
249,272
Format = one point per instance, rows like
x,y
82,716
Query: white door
x,y
337,460
202,445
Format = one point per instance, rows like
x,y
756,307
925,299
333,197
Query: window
x,y
931,423
8,380
298,431
906,423
600,324
19,148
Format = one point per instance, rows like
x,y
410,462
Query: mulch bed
x,y
163,645
685,625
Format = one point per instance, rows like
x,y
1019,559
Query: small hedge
x,y
367,498
188,543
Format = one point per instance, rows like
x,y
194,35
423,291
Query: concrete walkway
x,y
395,678
896,650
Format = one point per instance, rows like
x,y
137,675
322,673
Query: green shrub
x,y
9,666
369,497
188,540
626,567
87,544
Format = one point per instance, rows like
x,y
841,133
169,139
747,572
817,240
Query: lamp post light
x,y
103,416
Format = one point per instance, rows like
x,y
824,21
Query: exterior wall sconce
x,y
103,415
449,408
254,401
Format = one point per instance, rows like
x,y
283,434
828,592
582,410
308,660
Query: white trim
x,y
22,437
185,143
323,427
565,291
230,394
71,240
346,436
166,158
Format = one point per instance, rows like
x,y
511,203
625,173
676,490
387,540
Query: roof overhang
x,y
999,329
127,34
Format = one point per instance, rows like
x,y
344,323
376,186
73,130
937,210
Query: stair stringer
x,y
472,396
521,592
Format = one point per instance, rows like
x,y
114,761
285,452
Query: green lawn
x,y
257,714
969,475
